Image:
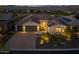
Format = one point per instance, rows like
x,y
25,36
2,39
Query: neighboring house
x,y
72,22
4,19
75,25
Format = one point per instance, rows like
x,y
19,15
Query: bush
x,y
54,40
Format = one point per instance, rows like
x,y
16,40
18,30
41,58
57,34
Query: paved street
x,y
22,41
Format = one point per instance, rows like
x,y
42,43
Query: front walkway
x,y
22,41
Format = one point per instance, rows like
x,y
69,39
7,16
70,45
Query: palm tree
x,y
68,32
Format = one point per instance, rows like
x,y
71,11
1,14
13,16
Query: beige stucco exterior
x,y
44,25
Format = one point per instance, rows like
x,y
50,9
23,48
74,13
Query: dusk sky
x,y
39,2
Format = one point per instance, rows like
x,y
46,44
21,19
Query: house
x,y
4,20
42,23
38,23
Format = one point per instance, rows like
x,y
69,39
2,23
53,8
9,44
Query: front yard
x,y
55,41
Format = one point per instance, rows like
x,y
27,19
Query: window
x,y
59,29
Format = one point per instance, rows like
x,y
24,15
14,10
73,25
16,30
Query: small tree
x,y
68,32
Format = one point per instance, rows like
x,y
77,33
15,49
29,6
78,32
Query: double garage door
x,y
27,28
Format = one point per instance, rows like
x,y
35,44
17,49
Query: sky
x,y
39,2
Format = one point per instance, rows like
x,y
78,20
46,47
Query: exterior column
x,y
15,28
48,29
38,28
71,27
24,29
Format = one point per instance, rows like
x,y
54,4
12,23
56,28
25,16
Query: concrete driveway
x,y
22,41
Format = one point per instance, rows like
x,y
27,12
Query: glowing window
x,y
58,29
63,30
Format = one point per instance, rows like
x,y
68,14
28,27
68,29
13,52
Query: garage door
x,y
31,28
19,28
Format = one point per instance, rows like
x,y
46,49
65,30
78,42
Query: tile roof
x,y
34,18
64,20
5,17
75,22
30,23
51,20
